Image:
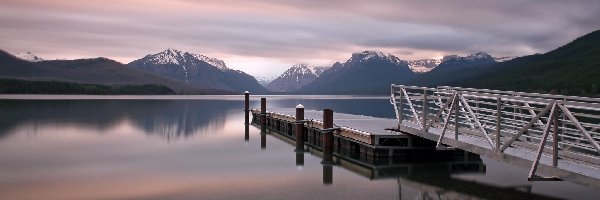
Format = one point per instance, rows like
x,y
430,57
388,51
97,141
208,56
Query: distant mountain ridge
x,y
294,78
197,70
94,71
367,72
572,69
452,68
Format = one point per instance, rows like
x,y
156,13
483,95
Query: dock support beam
x,y
327,136
299,128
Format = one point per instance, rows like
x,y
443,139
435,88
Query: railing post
x,y
456,115
424,109
555,136
327,136
399,107
498,122
299,128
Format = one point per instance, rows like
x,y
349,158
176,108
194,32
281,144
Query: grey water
x,y
195,147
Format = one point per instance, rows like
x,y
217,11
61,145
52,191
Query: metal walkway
x,y
553,135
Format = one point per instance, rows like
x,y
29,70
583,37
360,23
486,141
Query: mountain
x,y
425,65
28,56
573,69
453,68
367,72
263,80
94,71
294,78
503,59
198,71
319,70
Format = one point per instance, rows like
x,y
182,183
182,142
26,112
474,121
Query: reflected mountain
x,y
168,119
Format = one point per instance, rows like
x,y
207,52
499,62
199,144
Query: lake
x,y
194,147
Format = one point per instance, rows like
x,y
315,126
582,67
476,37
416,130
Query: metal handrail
x,y
532,116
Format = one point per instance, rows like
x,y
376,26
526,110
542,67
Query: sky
x,y
264,38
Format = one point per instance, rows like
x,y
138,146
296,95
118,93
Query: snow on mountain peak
x,y
424,65
299,70
478,55
183,59
28,56
471,57
367,55
176,57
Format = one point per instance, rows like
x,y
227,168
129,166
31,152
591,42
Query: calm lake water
x,y
194,147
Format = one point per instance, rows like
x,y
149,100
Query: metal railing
x,y
506,119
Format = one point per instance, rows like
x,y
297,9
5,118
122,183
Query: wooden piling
x,y
299,128
327,136
263,115
246,101
247,107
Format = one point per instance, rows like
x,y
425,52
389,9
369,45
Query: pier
x,y
555,137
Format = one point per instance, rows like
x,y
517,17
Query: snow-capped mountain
x,y
424,65
197,70
28,56
294,78
264,80
505,58
367,72
476,57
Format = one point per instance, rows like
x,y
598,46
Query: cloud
x,y
277,33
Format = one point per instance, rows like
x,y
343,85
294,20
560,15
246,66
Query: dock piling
x,y
299,128
247,107
263,115
327,136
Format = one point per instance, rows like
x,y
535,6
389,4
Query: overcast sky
x,y
264,38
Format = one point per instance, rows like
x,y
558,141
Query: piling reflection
x,y
299,159
263,140
327,174
420,173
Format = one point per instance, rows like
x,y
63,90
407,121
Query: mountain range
x,y
570,69
198,71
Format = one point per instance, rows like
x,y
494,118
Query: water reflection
x,y
420,174
167,119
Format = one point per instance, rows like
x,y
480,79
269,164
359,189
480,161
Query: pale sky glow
x,y
264,38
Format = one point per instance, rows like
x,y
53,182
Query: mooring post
x,y
263,123
247,106
327,136
299,128
263,115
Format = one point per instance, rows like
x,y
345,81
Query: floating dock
x,y
371,141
